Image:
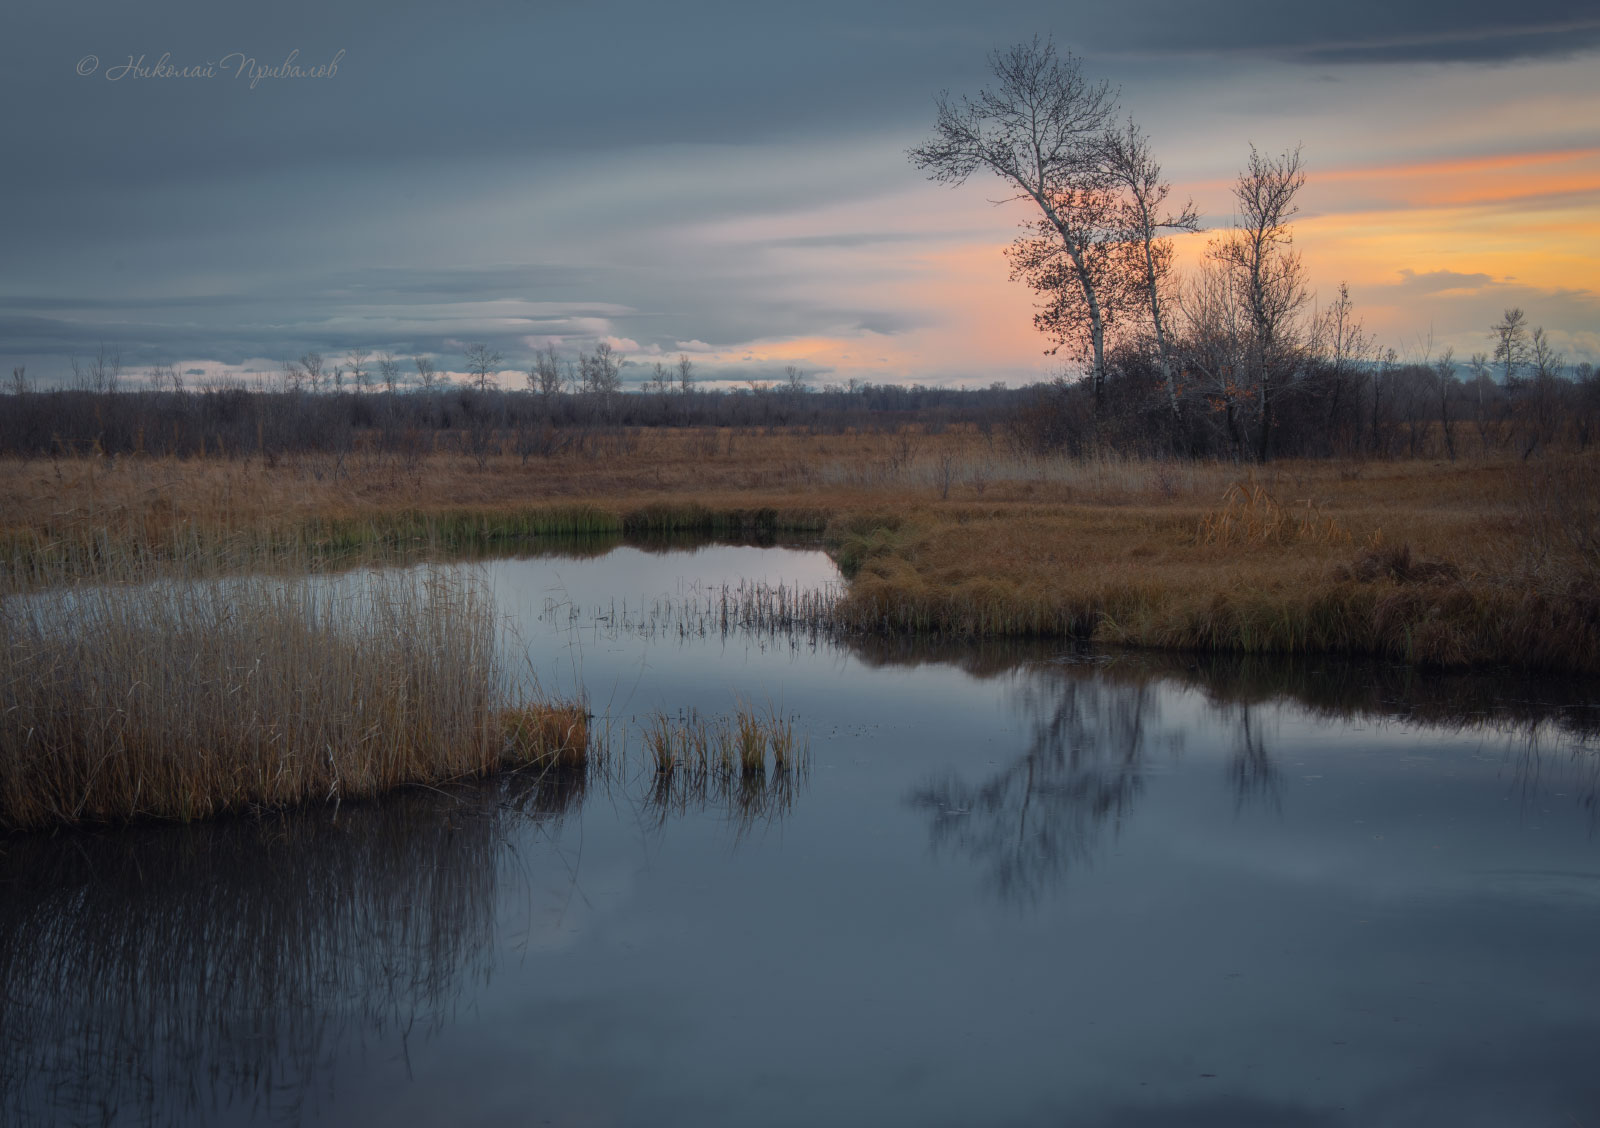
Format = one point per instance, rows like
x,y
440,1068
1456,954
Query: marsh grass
x,y
545,735
184,700
750,765
1250,515
946,533
724,745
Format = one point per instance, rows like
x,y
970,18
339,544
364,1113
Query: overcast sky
x,y
730,179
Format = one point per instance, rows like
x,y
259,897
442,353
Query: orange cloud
x,y
1498,179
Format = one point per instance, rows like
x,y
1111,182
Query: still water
x,y
1017,885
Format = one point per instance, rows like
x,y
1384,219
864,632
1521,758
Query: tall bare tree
x,y
1510,337
388,371
311,364
1445,387
101,373
1216,345
482,362
1344,345
685,374
1036,128
1547,364
545,375
427,374
1270,278
1147,255
606,369
360,374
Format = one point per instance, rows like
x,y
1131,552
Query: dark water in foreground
x,y
1017,886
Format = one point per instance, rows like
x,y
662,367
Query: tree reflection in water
x,y
1082,769
1092,727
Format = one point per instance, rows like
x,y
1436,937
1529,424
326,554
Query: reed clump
x,y
184,700
724,746
545,735
752,765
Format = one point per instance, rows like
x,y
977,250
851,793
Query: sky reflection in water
x,y
1018,885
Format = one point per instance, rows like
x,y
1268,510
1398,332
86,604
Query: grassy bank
x,y
179,700
1510,577
1487,561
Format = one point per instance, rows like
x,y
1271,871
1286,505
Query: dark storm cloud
x,y
427,81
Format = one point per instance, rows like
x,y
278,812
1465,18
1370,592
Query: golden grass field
x,y
1479,561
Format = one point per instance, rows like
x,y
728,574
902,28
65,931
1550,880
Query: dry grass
x,y
722,762
1251,517
545,735
948,532
180,700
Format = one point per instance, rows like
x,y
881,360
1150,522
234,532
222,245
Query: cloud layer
x,y
733,176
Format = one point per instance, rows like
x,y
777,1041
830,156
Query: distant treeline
x,y
236,422
1377,409
1325,408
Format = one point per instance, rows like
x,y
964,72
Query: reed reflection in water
x,y
164,974
182,974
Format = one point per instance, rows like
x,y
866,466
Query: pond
x,y
1015,884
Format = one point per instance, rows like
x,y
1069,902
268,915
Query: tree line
x,y
1384,409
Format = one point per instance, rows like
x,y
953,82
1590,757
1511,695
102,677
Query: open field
x,y
1451,563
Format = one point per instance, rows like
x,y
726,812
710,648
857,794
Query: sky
x,y
730,180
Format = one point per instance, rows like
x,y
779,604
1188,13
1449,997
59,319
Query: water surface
x,y
1018,885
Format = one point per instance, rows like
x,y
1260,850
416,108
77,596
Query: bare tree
x,y
606,364
1483,388
685,374
1037,129
1546,362
660,380
360,376
20,384
1345,345
545,375
1216,343
102,372
795,380
1126,156
388,371
311,362
1445,385
1547,365
1510,337
427,374
482,362
1269,276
